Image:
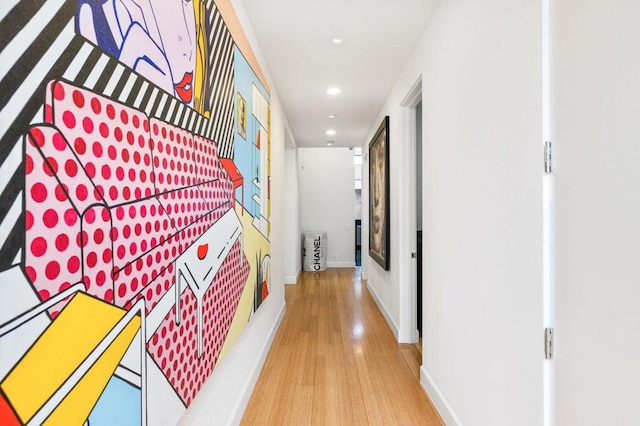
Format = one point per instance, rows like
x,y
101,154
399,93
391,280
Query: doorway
x,y
418,207
357,165
411,263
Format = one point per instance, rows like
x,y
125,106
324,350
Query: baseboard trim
x,y
250,384
439,401
385,312
293,279
341,264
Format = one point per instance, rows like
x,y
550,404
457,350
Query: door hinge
x,y
548,343
548,157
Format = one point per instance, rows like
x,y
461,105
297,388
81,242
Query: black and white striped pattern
x,y
37,44
221,82
35,48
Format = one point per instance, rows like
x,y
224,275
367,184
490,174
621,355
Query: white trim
x,y
383,309
291,279
437,398
409,334
414,96
247,390
351,264
407,238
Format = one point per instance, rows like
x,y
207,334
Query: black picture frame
x,y
379,207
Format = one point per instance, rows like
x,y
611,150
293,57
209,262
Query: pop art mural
x,y
134,205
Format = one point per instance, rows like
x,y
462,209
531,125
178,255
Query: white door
x,y
596,111
483,214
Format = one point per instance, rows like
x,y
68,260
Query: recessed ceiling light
x,y
331,132
334,91
332,116
330,143
338,40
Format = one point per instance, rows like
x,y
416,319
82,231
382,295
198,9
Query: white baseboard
x,y
341,264
384,310
293,279
439,401
408,336
247,390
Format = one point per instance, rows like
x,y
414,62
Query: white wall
x,y
327,200
480,64
226,392
292,247
596,69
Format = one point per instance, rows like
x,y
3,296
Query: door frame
x,y
408,330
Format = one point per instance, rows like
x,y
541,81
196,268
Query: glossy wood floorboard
x,y
335,361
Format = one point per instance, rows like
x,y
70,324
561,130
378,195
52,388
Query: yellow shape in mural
x,y
59,352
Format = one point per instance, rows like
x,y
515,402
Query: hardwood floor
x,y
335,361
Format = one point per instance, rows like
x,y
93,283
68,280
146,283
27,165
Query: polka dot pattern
x,y
134,194
111,140
97,252
188,235
174,164
187,210
174,347
206,155
144,242
151,287
52,259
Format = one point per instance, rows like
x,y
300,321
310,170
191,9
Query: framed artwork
x,y
242,116
379,195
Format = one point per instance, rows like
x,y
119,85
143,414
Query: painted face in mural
x,y
177,28
156,38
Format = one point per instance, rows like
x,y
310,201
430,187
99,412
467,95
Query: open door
x,y
596,102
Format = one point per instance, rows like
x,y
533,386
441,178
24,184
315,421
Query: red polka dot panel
x,y
206,152
152,283
174,347
52,225
173,157
216,195
191,233
138,230
97,252
113,150
184,206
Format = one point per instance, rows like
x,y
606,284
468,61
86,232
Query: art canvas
x,y
134,212
379,196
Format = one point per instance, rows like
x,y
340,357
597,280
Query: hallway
x,y
334,360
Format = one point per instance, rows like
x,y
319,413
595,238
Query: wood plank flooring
x,y
335,361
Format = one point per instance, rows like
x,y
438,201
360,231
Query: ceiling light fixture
x,y
334,91
331,132
332,116
338,40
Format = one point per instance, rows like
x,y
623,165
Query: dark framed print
x,y
379,195
242,117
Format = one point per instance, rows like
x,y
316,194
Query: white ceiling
x,y
295,39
